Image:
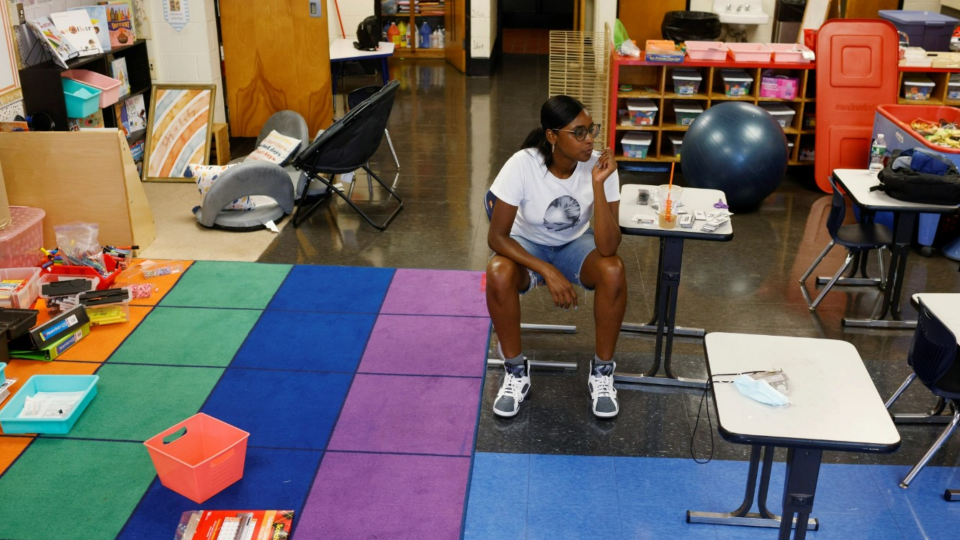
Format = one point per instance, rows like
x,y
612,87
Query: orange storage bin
x,y
206,459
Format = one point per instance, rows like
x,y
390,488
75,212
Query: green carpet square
x,y
227,285
135,403
188,337
73,490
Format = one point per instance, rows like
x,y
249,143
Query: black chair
x,y
358,96
489,201
933,357
858,238
345,147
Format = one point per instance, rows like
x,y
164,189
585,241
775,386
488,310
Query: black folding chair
x,y
933,357
345,147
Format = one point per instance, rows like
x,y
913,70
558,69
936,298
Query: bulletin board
x,y
9,79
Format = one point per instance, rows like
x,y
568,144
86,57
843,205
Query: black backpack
x,y
911,186
368,34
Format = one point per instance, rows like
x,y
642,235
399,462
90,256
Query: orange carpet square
x,y
161,284
10,449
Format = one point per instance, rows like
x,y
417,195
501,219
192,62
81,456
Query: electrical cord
x,y
696,424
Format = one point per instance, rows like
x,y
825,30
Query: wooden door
x,y
276,57
455,28
642,20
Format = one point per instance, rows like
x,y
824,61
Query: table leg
x,y
742,515
384,70
904,224
803,470
952,495
335,67
668,285
651,326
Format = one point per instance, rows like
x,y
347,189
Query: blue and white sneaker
x,y
514,387
603,395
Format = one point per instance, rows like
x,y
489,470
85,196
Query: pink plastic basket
x,y
206,459
109,87
749,52
707,50
788,53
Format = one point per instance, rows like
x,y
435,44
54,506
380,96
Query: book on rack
x,y
75,28
94,121
47,34
120,24
136,150
136,113
98,17
118,70
235,524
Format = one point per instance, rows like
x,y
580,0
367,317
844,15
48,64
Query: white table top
x,y
692,198
945,307
342,49
834,404
857,183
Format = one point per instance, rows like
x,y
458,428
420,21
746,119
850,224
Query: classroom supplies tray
x,y
47,383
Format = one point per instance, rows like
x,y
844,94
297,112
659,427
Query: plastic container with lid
x,y
676,142
926,29
687,111
780,112
953,87
108,86
643,112
21,240
636,145
686,82
736,82
26,293
917,87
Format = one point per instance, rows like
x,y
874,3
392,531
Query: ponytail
x,y
538,139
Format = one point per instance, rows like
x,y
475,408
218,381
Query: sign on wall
x,y
9,80
176,13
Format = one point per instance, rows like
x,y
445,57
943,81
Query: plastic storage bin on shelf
x,y
791,53
749,52
636,145
953,87
21,240
686,82
676,143
48,383
687,112
205,460
917,87
736,82
779,87
707,50
925,29
88,272
780,112
663,51
108,86
26,294
643,112
82,100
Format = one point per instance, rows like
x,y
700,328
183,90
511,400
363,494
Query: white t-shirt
x,y
550,211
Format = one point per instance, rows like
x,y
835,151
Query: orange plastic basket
x,y
202,461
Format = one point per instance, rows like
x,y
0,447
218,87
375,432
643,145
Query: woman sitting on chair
x,y
540,233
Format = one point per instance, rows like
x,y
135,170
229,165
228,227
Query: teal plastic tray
x,y
47,383
82,100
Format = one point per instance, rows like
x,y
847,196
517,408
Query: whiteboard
x,y
9,80
814,16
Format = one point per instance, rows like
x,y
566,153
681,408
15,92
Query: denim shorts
x,y
567,258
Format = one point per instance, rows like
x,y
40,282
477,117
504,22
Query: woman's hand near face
x,y
604,167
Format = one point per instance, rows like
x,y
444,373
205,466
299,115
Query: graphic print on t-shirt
x,y
562,214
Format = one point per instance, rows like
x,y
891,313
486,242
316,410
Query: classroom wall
x,y
41,8
353,12
483,27
191,55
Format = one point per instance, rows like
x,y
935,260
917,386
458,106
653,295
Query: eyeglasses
x,y
580,132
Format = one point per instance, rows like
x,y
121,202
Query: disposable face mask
x,y
760,390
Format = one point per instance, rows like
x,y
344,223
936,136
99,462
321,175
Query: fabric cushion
x,y
206,175
276,148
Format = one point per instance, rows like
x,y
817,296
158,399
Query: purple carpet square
x,y
436,292
409,415
386,496
419,345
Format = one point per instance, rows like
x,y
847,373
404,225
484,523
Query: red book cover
x,y
235,525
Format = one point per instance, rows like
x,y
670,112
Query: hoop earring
x,y
553,148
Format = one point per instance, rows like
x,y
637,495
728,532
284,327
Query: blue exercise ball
x,y
737,148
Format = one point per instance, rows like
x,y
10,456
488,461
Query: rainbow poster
x,y
179,129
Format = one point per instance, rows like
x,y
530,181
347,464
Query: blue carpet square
x,y
272,480
306,341
661,485
573,520
654,524
497,504
341,289
925,495
928,527
832,527
280,409
585,480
